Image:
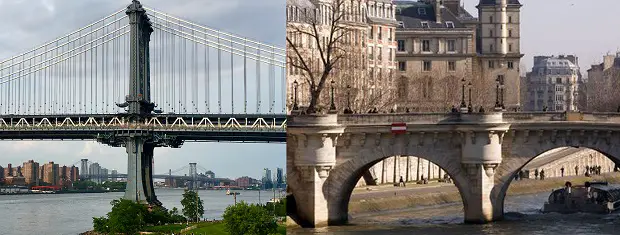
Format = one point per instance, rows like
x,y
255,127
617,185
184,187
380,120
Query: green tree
x,y
192,205
126,217
249,219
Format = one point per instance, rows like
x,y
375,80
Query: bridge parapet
x,y
522,117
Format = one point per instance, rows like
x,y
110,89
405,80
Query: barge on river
x,y
592,197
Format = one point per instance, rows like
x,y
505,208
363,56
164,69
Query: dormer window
x,y
401,24
425,25
421,11
449,24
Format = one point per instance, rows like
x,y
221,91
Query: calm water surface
x,y
523,217
72,213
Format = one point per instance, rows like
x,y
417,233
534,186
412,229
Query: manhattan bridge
x,y
140,79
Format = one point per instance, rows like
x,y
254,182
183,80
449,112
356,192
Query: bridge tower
x,y
139,144
193,174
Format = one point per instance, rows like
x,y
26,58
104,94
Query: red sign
x,y
399,128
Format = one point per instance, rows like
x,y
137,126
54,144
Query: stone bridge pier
x,y
325,159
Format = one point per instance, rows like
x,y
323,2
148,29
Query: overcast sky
x,y
25,24
586,28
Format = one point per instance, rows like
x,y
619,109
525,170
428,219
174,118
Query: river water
x,y
523,216
72,213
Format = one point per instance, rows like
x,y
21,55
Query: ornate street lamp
x,y
333,105
469,86
295,84
463,105
497,104
501,94
349,97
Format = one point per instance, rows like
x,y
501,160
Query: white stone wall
x,y
383,171
586,157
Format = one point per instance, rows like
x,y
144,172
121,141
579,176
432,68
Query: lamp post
x,y
501,90
333,105
497,105
469,86
463,105
349,97
295,84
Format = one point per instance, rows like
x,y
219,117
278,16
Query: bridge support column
x,y
140,171
481,155
313,139
480,204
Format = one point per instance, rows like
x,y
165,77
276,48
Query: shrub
x,y
249,219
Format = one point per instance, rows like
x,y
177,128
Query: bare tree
x,y
325,32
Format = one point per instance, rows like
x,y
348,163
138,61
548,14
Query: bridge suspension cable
x,y
193,69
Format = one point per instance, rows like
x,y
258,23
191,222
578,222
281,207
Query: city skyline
x,y
565,34
55,18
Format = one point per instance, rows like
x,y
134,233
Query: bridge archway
x,y
355,160
523,149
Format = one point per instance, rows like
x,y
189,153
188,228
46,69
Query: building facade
x,y
31,172
441,47
51,174
553,84
604,79
363,77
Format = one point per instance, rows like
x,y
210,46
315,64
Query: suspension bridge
x,y
140,79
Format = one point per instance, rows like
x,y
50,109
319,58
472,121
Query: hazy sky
x,y
586,28
25,24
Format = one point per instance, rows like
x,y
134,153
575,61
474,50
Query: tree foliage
x,y
192,205
129,217
280,208
249,219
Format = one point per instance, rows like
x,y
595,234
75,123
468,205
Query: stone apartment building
x,y
554,84
364,76
30,171
603,80
439,44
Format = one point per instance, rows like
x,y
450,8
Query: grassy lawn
x,y
211,228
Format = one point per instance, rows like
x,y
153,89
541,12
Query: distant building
x,y
84,166
15,180
279,178
603,79
267,182
94,171
113,173
246,181
50,173
75,174
8,171
1,172
210,174
553,84
31,172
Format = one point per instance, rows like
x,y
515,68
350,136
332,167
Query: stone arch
x,y
522,147
355,160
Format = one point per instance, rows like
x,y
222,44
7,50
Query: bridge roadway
x,y
482,152
175,127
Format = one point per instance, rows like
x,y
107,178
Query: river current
x,y
523,216
70,214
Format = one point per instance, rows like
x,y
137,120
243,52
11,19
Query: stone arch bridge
x,y
327,155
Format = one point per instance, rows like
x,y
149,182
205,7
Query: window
x,y
449,24
490,19
491,48
401,45
451,45
509,19
511,65
379,37
509,47
490,33
421,11
379,54
391,55
425,25
372,31
559,107
501,79
390,35
491,64
402,66
558,80
426,45
559,98
510,33
428,66
401,24
559,88
451,65
371,73
371,53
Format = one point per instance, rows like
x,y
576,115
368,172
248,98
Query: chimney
x,y
453,6
438,6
